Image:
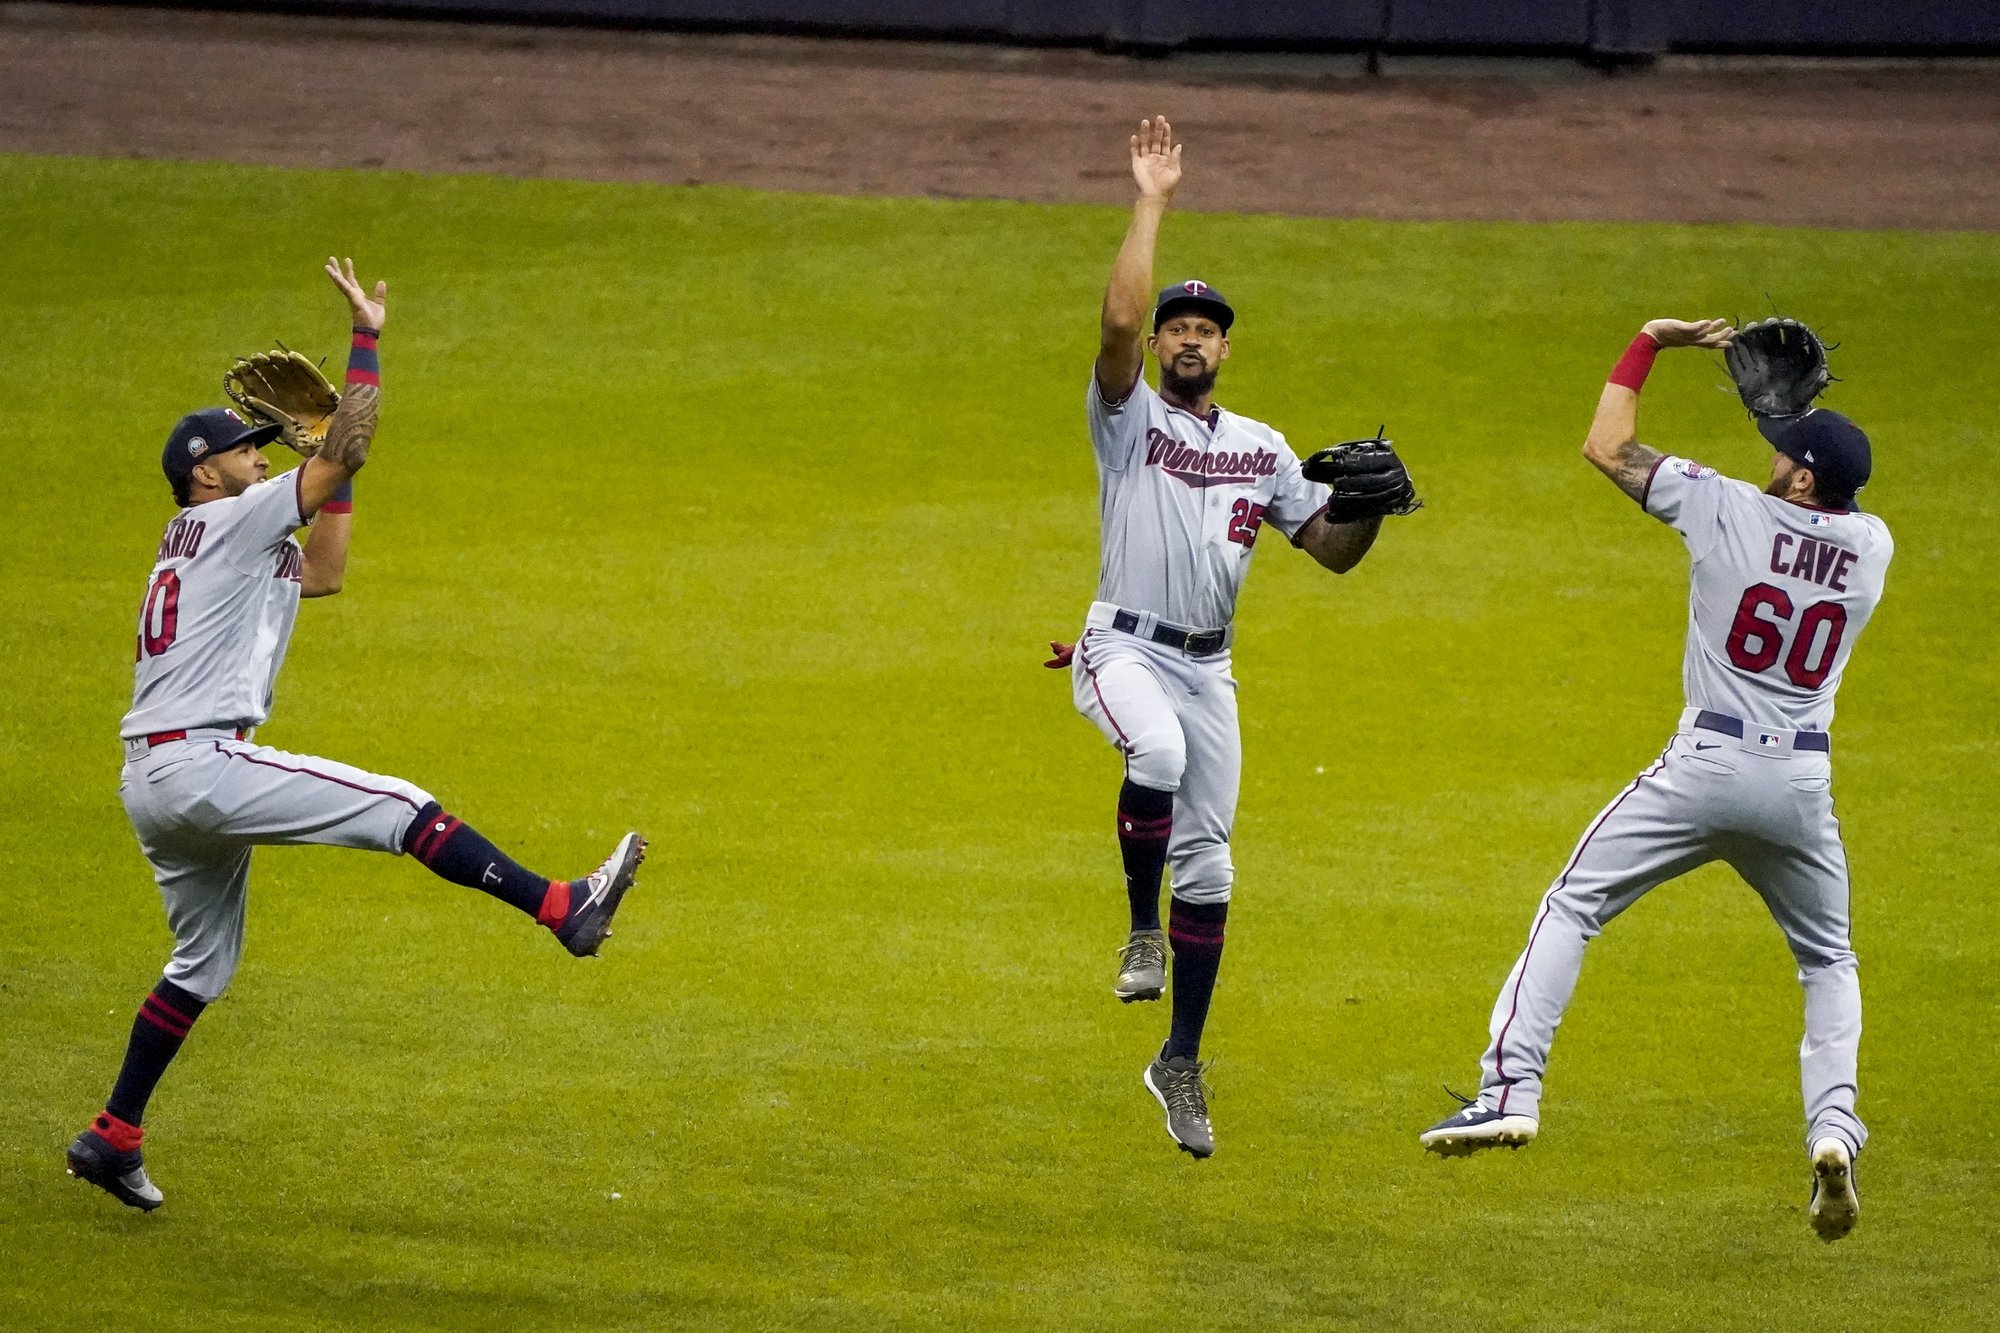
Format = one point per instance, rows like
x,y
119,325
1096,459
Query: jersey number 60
x,y
1756,641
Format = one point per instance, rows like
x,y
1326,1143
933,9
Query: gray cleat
x,y
595,897
1177,1085
122,1175
1835,1206
1142,967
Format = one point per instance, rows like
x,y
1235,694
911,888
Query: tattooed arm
x,y
326,480
1612,446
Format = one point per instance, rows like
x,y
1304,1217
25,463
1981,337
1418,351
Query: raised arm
x,y
1121,346
1612,447
326,483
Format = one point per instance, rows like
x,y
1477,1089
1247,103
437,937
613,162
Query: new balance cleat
x,y
1834,1206
1178,1087
122,1175
589,918
1474,1127
1142,967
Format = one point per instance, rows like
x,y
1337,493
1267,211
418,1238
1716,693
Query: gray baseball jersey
x,y
1181,500
1778,594
218,612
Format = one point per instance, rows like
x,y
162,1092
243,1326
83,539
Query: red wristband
x,y
1633,367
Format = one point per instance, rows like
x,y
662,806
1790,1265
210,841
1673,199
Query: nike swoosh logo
x,y
1716,746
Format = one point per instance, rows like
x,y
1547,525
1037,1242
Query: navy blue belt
x,y
1195,643
1733,726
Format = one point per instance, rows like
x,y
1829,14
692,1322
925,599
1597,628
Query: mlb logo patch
x,y
1819,520
1771,739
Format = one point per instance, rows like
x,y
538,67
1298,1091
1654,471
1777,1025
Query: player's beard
x,y
1187,388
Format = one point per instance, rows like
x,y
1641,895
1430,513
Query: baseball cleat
x,y
1835,1206
589,919
1177,1086
1142,967
122,1175
1474,1127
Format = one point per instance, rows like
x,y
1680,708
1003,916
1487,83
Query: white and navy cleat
x,y
1835,1206
1474,1127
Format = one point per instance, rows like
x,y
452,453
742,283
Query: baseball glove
x,y
1366,478
286,388
1779,366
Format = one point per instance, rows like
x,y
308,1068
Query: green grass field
x,y
742,519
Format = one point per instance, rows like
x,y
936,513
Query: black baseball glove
x,y
1366,478
1779,366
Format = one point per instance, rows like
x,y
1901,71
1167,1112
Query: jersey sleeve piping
x,y
1300,531
1646,491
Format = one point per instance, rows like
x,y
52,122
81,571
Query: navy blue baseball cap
x,y
1194,294
204,434
1832,446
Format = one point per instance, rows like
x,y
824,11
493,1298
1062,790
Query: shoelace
x,y
1187,1094
1145,949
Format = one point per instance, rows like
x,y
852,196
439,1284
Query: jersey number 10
x,y
161,617
1756,641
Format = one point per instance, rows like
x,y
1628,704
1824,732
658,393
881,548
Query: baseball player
x,y
1185,488
1783,582
213,627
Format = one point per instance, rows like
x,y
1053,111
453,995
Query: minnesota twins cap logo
x,y
1195,287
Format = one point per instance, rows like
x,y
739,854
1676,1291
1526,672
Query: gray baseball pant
x,y
1765,809
200,804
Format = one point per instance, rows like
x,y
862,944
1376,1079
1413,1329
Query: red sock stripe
x,y
435,837
1144,830
1199,936
555,904
164,1016
121,1136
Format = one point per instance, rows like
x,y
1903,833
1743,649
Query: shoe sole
x,y
92,1172
1142,993
1835,1207
1199,1154
1451,1143
630,854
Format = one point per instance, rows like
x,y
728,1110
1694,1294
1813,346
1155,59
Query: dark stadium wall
x,y
1613,28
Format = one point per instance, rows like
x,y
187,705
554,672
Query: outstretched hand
x,y
368,313
1156,159
1685,333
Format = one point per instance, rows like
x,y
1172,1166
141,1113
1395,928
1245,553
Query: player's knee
x,y
1203,873
1157,759
206,981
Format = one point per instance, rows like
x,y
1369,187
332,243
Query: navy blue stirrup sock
x,y
1145,827
162,1024
453,850
1196,932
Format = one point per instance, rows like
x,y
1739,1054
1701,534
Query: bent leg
x,y
1121,694
1643,838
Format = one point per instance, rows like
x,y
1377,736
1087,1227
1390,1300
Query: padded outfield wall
x,y
1605,28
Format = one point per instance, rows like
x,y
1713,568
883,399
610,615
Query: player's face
x,y
1190,346
237,470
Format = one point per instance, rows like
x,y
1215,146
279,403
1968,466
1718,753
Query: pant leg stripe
x,y
1514,1007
